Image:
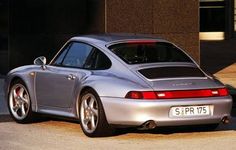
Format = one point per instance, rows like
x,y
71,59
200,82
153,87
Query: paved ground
x,y
228,77
62,135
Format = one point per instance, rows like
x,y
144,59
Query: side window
x,y
177,56
77,55
60,57
102,62
98,61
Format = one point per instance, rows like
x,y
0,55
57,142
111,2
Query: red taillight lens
x,y
177,94
134,95
141,95
185,94
149,95
223,92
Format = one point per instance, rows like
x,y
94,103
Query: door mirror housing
x,y
41,61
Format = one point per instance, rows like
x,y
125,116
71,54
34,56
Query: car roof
x,y
114,37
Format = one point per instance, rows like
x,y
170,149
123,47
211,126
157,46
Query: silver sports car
x,y
112,80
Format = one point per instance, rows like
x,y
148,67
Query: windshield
x,y
139,53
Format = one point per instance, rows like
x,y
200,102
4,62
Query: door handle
x,y
71,77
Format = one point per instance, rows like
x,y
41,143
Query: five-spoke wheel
x,y
89,112
92,116
19,102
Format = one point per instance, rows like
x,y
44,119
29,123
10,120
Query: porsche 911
x,y
118,80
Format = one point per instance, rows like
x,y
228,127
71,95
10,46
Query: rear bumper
x,y
131,112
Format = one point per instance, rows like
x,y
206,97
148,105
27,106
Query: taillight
x,y
141,95
223,92
134,95
177,94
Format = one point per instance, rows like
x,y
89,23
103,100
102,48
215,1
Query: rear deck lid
x,y
177,78
171,72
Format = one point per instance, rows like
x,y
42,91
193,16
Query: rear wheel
x,y
19,102
92,117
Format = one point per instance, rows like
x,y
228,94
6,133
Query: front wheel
x,y
92,117
19,102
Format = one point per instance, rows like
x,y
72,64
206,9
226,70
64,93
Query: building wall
x,y
3,36
40,27
177,20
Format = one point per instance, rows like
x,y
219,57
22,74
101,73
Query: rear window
x,y
171,72
139,53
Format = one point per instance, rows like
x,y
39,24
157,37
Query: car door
x,y
55,84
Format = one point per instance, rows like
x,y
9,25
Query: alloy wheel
x,y
19,102
89,112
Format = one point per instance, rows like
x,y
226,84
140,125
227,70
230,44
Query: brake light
x,y
177,94
142,41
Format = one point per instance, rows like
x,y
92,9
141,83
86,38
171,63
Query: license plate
x,y
188,111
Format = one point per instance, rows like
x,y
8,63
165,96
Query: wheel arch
x,y
78,98
12,80
23,79
101,127
85,88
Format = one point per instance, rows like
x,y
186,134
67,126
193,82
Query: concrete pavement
x,y
64,135
228,77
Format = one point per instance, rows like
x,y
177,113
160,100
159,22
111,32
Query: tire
x,y
19,102
92,116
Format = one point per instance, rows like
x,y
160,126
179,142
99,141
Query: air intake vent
x,y
171,72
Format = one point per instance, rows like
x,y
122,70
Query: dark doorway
x,y
4,36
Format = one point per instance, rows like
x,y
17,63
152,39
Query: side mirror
x,y
41,61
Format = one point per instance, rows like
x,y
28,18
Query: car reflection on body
x,y
113,80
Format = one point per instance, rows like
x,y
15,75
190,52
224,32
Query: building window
x,y
212,19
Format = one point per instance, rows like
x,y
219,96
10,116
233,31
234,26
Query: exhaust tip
x,y
149,125
225,120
